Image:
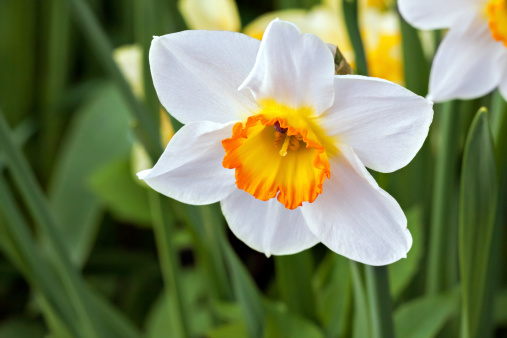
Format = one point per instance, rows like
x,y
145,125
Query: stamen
x,y
283,151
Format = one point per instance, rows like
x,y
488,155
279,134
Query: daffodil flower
x,y
282,142
471,61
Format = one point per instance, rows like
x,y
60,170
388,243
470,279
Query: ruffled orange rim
x,y
497,13
291,195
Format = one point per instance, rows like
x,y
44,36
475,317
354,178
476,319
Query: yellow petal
x,y
210,14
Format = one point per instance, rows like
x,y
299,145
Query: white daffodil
x,y
281,142
472,58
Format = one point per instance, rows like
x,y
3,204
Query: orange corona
x,y
497,14
280,152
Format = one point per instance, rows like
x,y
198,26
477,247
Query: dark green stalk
x,y
379,298
443,196
163,226
55,64
350,12
146,129
38,205
22,249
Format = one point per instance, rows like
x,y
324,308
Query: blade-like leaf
x,y
402,272
245,290
294,274
478,199
99,133
333,295
280,322
114,185
424,317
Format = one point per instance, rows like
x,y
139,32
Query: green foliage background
x,y
86,251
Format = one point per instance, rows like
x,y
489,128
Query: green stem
x,y
443,196
350,12
163,226
56,66
379,298
499,129
214,229
38,205
21,248
361,325
146,129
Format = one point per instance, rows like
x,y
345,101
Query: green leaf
x,y
20,327
500,311
236,329
99,133
402,272
245,290
333,288
478,201
114,184
293,276
282,323
350,14
161,319
379,300
361,323
424,317
415,66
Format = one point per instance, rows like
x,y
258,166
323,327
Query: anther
x,y
279,128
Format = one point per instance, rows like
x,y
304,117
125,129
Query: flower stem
x,y
443,196
350,12
146,129
379,298
18,244
163,227
38,205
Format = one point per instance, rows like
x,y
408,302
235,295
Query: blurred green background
x,y
88,251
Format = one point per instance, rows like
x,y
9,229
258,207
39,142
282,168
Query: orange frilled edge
x,y
260,170
497,13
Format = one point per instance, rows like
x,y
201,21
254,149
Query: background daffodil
x,y
378,21
282,143
471,61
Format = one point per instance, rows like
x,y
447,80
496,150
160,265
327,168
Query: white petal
x,y
435,14
197,74
267,226
294,69
190,169
356,218
468,64
384,123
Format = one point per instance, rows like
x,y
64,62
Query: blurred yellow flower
x,y
321,20
210,15
129,59
378,25
381,35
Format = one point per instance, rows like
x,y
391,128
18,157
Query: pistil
x,y
285,146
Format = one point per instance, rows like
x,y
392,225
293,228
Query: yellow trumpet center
x,y
497,15
280,152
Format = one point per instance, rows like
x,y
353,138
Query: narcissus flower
x,y
472,58
281,142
